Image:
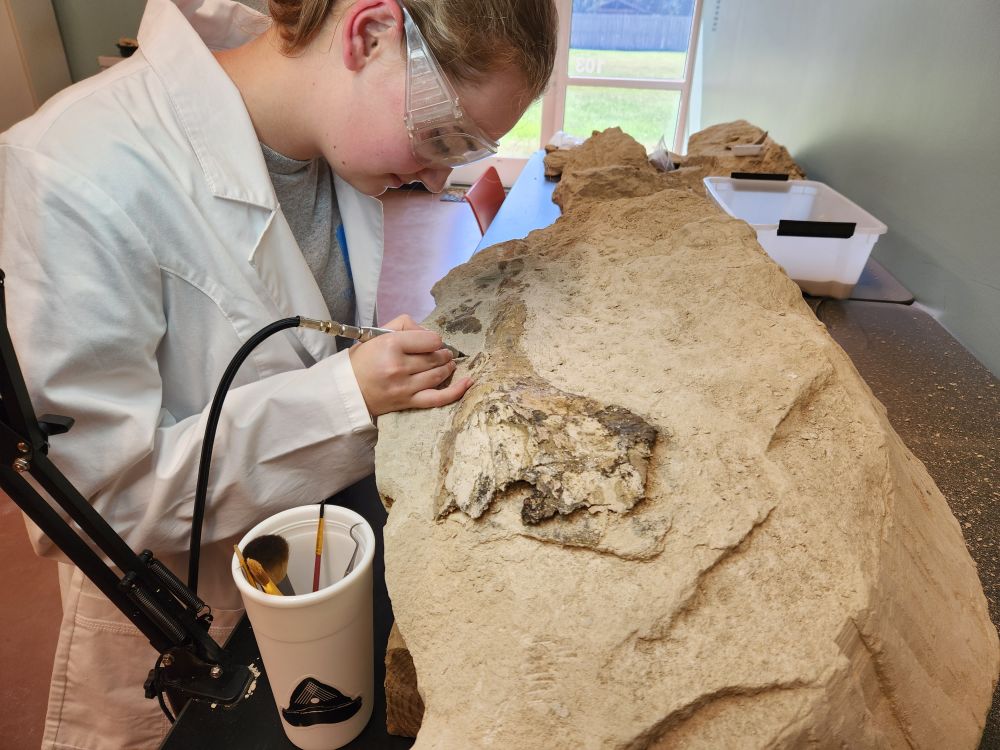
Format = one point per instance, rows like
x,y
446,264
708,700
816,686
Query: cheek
x,y
394,154
373,152
381,144
375,146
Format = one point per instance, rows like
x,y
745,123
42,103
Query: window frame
x,y
554,101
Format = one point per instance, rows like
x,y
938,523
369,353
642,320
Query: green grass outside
x,y
643,114
523,139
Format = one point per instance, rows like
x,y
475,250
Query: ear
x,y
368,28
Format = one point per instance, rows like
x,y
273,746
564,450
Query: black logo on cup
x,y
313,702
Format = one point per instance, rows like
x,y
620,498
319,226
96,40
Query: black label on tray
x,y
840,230
776,176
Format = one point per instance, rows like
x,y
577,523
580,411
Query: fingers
x,y
432,397
417,363
420,341
432,378
404,323
417,339
402,370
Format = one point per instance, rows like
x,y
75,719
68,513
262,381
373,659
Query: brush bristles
x,y
270,550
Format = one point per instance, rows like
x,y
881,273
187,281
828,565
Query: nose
x,y
434,179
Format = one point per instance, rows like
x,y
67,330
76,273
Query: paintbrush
x,y
271,551
319,546
262,577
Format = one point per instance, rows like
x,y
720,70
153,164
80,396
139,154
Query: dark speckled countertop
x,y
946,407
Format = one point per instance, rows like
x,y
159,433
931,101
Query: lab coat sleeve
x,y
86,314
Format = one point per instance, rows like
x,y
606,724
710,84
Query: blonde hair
x,y
470,38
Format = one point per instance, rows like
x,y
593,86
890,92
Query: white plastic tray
x,y
805,226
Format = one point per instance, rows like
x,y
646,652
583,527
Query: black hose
x,y
158,686
201,489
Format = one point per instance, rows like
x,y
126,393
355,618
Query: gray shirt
x,y
307,198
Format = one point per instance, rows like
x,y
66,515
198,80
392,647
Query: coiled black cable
x,y
205,464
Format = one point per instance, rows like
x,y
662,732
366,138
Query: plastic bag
x,y
661,157
561,139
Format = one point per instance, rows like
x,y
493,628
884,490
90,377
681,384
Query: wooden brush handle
x,y
243,566
262,577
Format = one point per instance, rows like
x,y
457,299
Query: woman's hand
x,y
402,370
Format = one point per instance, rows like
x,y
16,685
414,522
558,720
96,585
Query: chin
x,y
378,185
372,187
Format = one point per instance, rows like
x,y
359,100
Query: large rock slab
x,y
669,513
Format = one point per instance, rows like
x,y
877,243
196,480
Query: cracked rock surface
x,y
670,513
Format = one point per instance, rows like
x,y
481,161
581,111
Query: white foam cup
x,y
317,647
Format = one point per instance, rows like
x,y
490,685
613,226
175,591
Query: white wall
x,y
896,104
92,27
16,100
31,58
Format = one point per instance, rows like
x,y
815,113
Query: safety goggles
x,y
440,133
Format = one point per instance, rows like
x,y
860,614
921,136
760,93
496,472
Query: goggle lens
x,y
440,134
453,149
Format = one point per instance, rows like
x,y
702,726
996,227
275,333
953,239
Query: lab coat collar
x,y
176,39
365,232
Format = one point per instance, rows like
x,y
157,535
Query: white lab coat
x,y
143,245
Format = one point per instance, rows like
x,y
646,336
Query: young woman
x,y
154,217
